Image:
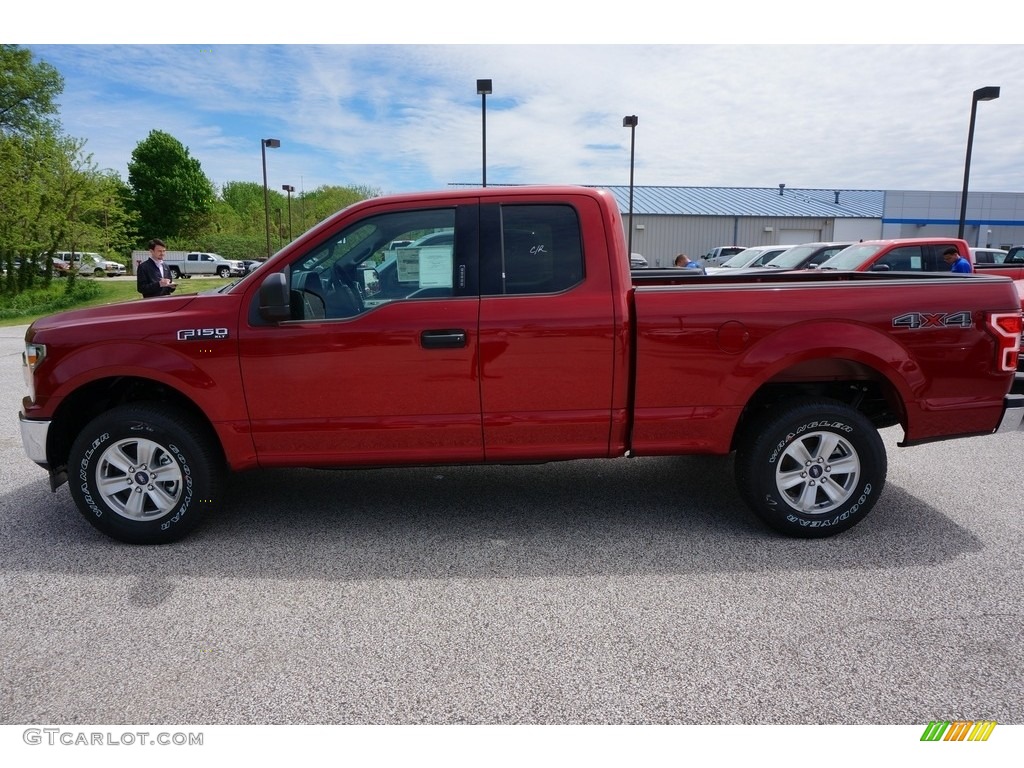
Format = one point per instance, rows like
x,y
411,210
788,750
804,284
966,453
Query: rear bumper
x,y
1013,407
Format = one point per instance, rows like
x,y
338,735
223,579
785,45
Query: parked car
x,y
716,256
748,258
907,254
636,261
550,350
989,255
60,267
90,263
806,256
248,265
445,237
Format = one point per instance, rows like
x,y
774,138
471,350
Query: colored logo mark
x,y
958,730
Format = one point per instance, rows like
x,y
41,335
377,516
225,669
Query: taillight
x,y
1006,327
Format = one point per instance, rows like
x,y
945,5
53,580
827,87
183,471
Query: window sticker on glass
x,y
427,266
407,263
436,266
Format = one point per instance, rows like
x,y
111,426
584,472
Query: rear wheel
x,y
175,273
145,473
811,468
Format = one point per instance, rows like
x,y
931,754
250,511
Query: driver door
x,y
392,380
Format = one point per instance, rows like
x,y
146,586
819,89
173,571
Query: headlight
x,y
33,355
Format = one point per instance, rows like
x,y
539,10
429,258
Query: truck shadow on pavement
x,y
671,515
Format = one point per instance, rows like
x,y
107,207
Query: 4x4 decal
x,y
916,320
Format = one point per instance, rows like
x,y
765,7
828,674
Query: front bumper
x,y
33,438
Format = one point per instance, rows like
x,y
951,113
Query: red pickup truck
x,y
914,254
503,325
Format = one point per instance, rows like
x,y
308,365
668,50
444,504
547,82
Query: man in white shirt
x,y
153,279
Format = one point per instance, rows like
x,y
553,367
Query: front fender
x,y
205,373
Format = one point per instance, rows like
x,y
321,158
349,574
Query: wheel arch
x,y
855,382
90,400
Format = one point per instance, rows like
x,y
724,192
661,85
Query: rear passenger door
x,y
547,341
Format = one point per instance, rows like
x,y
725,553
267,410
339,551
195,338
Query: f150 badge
x,y
915,320
202,334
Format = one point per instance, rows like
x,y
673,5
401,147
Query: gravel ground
x,y
592,592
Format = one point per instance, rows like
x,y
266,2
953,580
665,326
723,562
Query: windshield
x,y
852,258
794,257
742,259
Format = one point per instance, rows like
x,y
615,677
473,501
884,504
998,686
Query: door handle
x,y
449,338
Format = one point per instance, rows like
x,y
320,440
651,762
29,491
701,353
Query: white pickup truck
x,y
187,263
89,263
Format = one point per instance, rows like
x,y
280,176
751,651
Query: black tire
x,y
811,468
223,272
145,473
175,273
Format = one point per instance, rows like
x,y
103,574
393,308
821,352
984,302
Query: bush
x,y
46,300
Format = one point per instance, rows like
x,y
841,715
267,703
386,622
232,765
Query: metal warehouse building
x,y
693,220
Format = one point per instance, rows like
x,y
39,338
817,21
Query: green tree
x,y
28,92
172,197
327,200
59,200
245,200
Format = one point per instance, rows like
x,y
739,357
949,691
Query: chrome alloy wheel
x,y
818,472
139,479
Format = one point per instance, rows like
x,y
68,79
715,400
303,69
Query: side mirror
x,y
371,282
275,302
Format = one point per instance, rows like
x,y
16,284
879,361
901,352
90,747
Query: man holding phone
x,y
153,278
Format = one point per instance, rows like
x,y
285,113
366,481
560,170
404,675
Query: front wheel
x,y
811,468
223,271
145,473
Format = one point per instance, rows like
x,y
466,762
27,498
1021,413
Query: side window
x,y
541,249
933,259
398,256
903,259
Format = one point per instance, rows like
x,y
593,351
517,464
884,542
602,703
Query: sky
x,y
732,107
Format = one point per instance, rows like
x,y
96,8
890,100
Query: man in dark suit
x,y
152,277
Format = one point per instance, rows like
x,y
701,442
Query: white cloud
x,y
405,117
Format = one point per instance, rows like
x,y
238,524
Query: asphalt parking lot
x,y
626,591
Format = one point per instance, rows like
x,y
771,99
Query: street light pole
x,y
483,87
987,93
273,144
289,189
630,121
